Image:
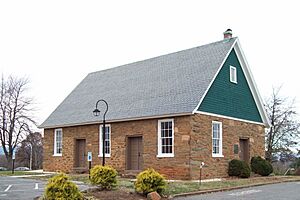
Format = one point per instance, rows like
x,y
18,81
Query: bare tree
x,y
30,152
284,132
15,113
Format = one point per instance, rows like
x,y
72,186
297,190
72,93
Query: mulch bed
x,y
116,195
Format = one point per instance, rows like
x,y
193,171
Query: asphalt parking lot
x,y
13,188
20,188
279,191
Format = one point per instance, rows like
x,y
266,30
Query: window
x,y
233,74
217,139
165,138
107,143
57,142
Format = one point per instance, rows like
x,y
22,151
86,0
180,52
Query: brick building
x,y
170,113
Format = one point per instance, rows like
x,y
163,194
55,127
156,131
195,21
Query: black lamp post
x,y
97,113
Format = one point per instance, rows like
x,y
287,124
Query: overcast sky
x,y
57,43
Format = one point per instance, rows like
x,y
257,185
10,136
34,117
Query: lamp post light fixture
x,y
96,114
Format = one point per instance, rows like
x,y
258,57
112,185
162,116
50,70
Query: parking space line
x,y
36,186
7,188
244,192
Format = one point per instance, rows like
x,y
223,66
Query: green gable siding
x,y
230,99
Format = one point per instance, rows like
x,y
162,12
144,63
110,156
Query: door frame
x,y
247,141
127,151
76,156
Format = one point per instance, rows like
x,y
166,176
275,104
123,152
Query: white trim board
x,y
227,117
251,82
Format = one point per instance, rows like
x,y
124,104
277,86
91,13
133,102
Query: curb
x,y
228,189
31,175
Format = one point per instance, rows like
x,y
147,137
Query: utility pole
x,y
30,160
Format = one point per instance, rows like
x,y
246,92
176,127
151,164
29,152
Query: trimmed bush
x,y
245,171
239,168
104,176
256,163
60,187
261,166
235,167
150,181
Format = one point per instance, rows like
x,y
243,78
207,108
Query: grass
x,y
173,188
79,177
188,186
126,185
123,183
180,187
17,173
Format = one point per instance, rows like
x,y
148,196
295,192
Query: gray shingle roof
x,y
164,85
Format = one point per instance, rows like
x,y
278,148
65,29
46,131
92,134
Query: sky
x,y
57,43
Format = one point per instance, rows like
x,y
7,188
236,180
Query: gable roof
x,y
167,85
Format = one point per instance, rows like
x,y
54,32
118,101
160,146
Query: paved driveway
x,y
280,191
20,188
12,188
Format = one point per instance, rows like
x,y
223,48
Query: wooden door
x,y
244,150
134,153
80,153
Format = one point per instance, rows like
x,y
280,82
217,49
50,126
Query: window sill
x,y
165,156
217,156
57,155
106,156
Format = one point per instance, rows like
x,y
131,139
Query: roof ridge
x,y
155,57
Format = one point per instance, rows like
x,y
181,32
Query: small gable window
x,y
233,74
165,138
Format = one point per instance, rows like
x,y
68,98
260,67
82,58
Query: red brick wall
x,y
175,167
66,162
193,144
201,144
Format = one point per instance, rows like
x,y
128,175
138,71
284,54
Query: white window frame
x,y
220,154
100,141
159,144
233,74
55,145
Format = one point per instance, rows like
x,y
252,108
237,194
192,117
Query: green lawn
x,y
179,187
17,173
189,186
123,183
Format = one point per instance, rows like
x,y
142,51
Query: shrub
x,y
235,167
60,187
245,171
239,168
261,166
150,181
256,163
104,176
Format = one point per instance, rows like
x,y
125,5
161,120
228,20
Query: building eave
x,y
114,120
